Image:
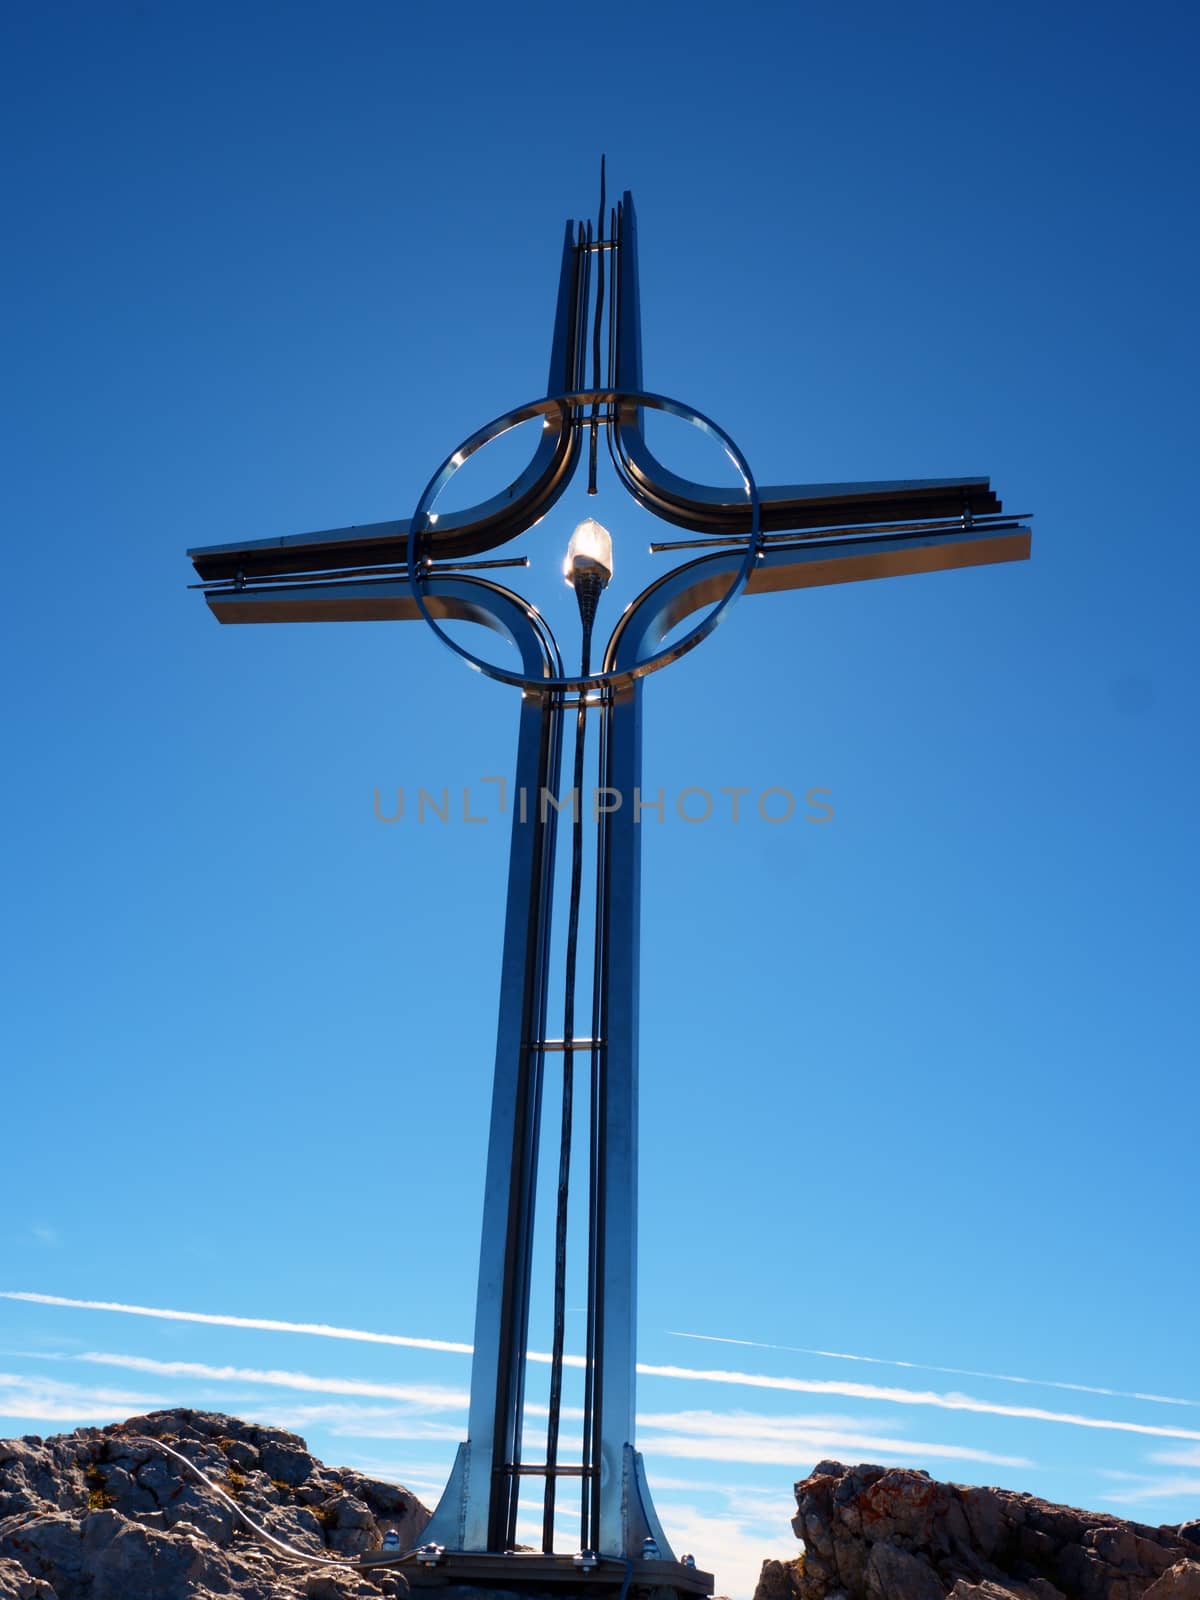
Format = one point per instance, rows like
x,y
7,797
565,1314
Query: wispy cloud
x,y
751,1380
431,1396
1139,1491
45,1234
425,1478
782,1441
757,1498
51,1400
731,1546
954,1372
351,1421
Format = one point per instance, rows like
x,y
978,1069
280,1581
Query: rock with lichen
x,y
107,1514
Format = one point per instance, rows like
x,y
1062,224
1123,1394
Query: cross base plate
x,y
468,1575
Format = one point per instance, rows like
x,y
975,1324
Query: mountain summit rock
x,y
882,1533
107,1514
104,1514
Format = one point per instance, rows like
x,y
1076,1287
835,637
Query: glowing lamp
x,y
589,555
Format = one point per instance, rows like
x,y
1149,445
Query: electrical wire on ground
x,y
290,1551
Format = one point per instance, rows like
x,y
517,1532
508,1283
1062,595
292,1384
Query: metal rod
x,y
400,569
568,1108
584,265
435,565
597,325
850,531
612,302
569,702
503,1497
600,1016
589,1506
592,424
542,1469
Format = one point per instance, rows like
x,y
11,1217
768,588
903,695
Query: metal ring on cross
x,y
568,410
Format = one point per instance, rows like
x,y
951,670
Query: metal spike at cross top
x,y
751,541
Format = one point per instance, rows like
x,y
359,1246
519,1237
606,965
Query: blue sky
x,y
918,1084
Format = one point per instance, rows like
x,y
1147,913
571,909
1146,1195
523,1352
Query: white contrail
x,y
912,1397
750,1380
265,1324
953,1372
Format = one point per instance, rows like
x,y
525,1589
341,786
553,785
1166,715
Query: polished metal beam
x,y
803,565
477,1512
626,1511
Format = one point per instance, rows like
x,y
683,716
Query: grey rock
x,y
104,1514
350,1526
895,1574
989,1590
984,1520
777,1581
241,1455
338,1586
349,1512
49,1547
16,1584
286,1461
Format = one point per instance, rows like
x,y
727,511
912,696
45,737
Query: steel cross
x,y
809,535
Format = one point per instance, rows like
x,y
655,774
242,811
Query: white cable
x,y
288,1550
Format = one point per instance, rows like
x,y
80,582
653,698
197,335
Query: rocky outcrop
x,y
104,1514
878,1533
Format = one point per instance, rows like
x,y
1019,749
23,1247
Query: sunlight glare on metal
x,y
737,466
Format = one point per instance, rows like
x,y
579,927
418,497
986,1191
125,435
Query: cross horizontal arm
x,y
361,545
850,560
464,599
804,565
375,544
793,507
783,507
